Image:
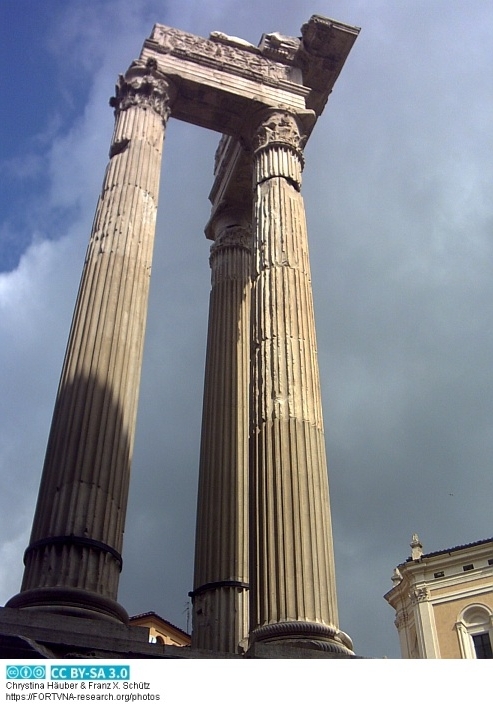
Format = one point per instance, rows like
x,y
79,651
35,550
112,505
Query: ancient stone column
x,y
220,596
293,590
73,562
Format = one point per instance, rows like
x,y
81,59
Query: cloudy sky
x,y
397,187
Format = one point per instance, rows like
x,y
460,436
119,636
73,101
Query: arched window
x,y
475,630
156,639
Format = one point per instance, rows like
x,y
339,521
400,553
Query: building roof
x,y
454,549
153,614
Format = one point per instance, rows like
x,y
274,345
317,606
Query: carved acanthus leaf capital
x,y
279,128
420,594
143,86
401,620
237,236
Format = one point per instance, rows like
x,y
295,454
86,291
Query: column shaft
x,y
73,560
220,596
292,569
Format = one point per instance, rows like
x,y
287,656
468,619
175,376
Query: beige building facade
x,y
161,631
444,602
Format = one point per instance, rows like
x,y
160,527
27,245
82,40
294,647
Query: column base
x,y
69,601
304,634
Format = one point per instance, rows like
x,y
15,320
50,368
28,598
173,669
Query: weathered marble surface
x,y
263,527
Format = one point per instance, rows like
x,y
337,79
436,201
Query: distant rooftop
x,y
454,549
153,614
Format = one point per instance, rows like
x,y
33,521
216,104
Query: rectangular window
x,y
466,568
438,574
482,646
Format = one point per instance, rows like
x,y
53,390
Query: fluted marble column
x,y
293,591
73,561
220,596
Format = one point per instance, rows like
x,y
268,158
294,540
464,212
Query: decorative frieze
x,y
229,54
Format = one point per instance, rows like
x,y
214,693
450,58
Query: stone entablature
x,y
220,86
229,54
222,81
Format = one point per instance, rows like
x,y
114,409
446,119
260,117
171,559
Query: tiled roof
x,y
148,614
456,548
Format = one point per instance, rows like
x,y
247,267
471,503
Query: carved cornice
x,y
280,47
143,86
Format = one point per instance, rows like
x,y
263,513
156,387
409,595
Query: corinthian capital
x,y
419,594
234,236
277,144
401,620
143,86
279,128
